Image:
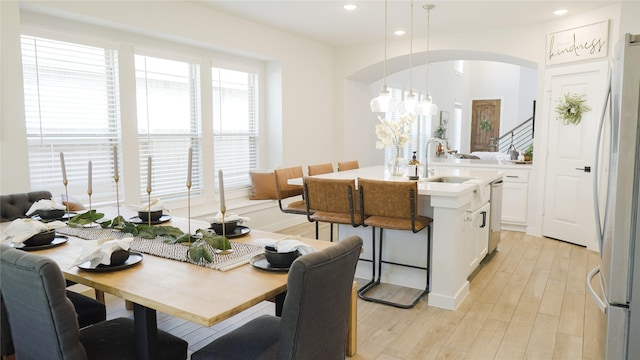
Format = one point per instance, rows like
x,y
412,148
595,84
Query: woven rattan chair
x,y
348,165
331,201
320,169
392,205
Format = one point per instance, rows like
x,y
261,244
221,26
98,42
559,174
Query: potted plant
x,y
528,154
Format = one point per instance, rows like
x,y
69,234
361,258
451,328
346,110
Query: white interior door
x,y
568,202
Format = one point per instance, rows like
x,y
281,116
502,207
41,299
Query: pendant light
x,y
426,106
383,103
408,105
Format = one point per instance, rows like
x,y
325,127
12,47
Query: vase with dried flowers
x,y
395,134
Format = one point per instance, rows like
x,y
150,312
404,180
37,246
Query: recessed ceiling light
x,y
350,7
561,11
400,32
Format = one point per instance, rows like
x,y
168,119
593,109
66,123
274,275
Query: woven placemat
x,y
240,255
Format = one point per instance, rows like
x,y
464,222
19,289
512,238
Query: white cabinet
x,y
478,235
515,191
515,194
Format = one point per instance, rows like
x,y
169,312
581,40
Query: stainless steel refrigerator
x,y
618,223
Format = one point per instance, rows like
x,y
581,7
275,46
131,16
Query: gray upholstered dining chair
x,y
315,315
88,311
44,324
13,206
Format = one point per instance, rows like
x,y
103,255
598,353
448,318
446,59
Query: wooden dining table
x,y
195,293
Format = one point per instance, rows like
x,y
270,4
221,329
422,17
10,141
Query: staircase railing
x,y
520,136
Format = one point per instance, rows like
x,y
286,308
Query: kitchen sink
x,y
449,179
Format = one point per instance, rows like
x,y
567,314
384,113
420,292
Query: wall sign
x,y
577,44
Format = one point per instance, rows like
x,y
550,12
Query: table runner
x,y
241,254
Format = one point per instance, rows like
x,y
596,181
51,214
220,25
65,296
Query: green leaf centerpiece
x,y
86,218
200,241
198,250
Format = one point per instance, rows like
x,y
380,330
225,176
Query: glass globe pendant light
x,y
426,106
408,105
384,102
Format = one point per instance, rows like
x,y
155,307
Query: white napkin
x,y
21,229
44,204
228,216
155,205
99,251
287,245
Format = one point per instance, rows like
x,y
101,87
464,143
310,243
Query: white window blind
x,y
169,118
407,151
421,129
235,125
71,106
426,125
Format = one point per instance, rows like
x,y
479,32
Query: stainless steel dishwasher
x,y
496,215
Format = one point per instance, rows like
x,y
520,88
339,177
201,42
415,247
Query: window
x,y
71,106
458,66
235,125
72,91
168,107
421,130
456,127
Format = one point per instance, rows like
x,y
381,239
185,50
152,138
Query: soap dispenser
x,y
414,167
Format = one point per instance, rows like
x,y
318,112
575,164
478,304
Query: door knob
x,y
585,169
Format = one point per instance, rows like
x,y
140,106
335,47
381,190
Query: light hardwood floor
x,y
526,301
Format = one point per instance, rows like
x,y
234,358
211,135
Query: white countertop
x,y
425,187
489,164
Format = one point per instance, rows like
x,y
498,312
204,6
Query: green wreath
x,y
570,109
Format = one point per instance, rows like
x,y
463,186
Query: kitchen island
x,y
515,199
451,197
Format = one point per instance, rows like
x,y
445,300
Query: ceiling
x,y
327,22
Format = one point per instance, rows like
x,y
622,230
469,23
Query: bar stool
x,y
284,190
392,205
348,165
320,169
331,201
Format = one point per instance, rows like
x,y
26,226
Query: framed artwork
x,y
444,117
577,44
441,131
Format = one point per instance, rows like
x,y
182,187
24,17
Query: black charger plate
x,y
134,258
260,261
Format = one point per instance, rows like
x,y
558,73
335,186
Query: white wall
x,y
322,113
294,113
528,91
494,80
13,147
514,85
297,122
521,46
